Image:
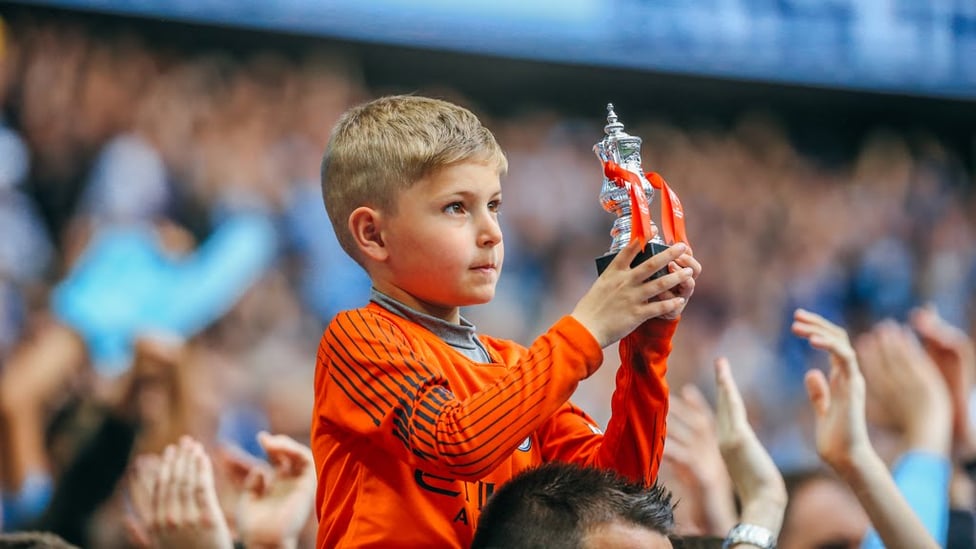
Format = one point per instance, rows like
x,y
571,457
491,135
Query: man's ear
x,y
364,224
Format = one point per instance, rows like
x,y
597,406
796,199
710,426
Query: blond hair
x,y
386,145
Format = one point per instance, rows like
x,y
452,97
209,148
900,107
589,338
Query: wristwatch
x,y
750,533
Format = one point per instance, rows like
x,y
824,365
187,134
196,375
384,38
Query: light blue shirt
x,y
923,479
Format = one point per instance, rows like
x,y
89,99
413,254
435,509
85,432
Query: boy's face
x,y
444,244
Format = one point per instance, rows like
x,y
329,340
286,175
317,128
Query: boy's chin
x,y
481,298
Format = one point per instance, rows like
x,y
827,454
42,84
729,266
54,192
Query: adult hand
x,y
756,478
954,354
692,449
838,405
175,497
277,500
907,387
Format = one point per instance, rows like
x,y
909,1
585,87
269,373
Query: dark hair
x,y
556,504
697,542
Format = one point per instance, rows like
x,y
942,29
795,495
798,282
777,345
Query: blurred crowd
x,y
121,160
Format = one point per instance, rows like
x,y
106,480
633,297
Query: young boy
x,y
417,418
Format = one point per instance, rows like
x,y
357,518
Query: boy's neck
x,y
445,314
460,335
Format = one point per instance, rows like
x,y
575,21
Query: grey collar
x,y
461,337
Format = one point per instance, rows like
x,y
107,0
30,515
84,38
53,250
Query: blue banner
x,y
901,46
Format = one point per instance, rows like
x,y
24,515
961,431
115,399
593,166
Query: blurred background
x,y
159,182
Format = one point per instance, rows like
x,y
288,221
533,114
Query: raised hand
x,y
623,297
277,500
842,438
140,486
686,287
838,405
906,386
954,354
41,366
232,465
174,496
756,478
692,449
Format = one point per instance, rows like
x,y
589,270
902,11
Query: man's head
x,y
565,506
822,513
387,145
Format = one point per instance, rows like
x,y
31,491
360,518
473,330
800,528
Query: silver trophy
x,y
620,148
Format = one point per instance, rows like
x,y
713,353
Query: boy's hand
x,y
624,297
685,288
838,406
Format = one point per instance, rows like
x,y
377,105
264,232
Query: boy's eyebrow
x,y
467,194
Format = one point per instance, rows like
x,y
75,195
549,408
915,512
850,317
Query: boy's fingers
x,y
660,261
685,288
625,256
667,283
654,309
687,260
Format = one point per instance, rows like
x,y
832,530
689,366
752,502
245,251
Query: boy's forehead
x,y
462,177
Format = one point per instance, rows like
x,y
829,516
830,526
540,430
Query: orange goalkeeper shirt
x,y
411,437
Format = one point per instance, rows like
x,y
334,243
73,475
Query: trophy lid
x,y
616,136
614,127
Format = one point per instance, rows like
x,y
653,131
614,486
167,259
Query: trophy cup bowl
x,y
620,148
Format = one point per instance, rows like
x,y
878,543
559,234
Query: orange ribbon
x,y
672,214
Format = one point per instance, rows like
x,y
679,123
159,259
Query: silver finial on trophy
x,y
613,127
620,152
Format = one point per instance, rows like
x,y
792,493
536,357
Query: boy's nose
x,y
490,233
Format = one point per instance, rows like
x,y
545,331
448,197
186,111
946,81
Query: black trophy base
x,y
651,249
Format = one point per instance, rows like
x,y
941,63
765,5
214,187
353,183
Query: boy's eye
x,y
454,208
495,206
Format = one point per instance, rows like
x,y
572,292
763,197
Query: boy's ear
x,y
364,224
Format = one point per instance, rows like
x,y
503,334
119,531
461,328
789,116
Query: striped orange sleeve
x,y
634,439
375,382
